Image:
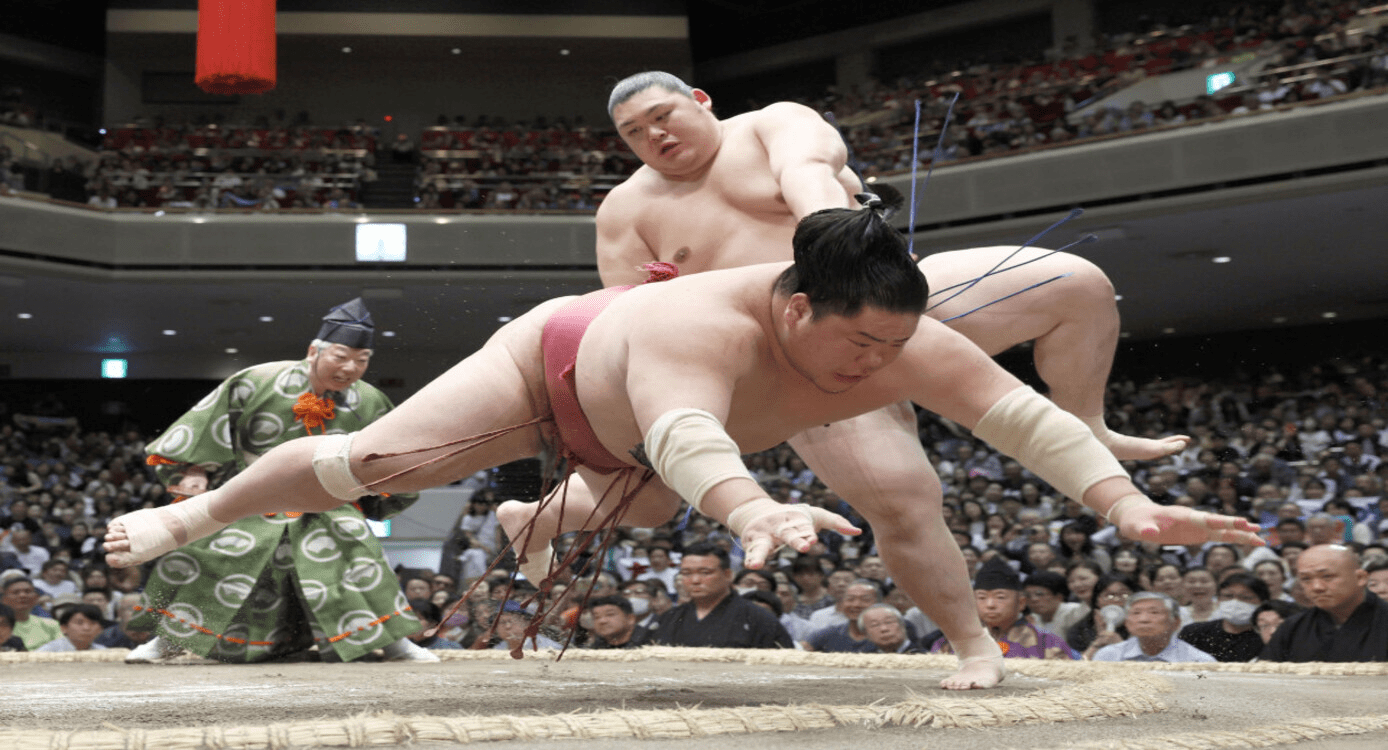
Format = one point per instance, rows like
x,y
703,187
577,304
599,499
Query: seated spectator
x,y
1230,636
789,597
847,636
886,631
614,623
838,583
713,616
8,640
31,555
1270,615
1153,620
1377,570
809,576
20,596
1103,627
510,631
1045,593
1200,587
1273,574
649,600
430,617
660,568
998,594
53,580
81,624
1347,622
119,634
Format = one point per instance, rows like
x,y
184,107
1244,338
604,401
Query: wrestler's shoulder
x,y
629,192
776,113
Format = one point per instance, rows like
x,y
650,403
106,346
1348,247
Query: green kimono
x,y
267,586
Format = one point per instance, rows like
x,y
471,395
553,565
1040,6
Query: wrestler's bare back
x,y
709,341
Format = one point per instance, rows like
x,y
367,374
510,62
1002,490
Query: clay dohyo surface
x,y
194,693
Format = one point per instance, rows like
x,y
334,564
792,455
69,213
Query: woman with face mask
x,y
1229,635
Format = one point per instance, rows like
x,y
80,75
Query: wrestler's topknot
x,y
846,259
635,84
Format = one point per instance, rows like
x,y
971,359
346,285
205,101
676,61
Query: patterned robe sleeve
x,y
202,436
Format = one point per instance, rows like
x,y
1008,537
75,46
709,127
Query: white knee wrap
x,y
330,463
692,452
1054,444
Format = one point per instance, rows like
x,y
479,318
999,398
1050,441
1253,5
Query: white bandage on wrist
x,y
1128,500
331,464
692,452
1054,444
757,508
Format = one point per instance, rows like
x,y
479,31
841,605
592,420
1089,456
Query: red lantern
x,y
236,46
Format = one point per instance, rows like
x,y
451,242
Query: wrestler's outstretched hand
x,y
765,525
1140,518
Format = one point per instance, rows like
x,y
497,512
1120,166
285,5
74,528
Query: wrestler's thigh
x,y
1027,316
652,506
500,385
874,461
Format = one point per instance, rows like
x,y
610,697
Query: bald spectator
x,y
886,631
1347,621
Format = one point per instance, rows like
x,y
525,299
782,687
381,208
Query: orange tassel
x,y
314,411
153,460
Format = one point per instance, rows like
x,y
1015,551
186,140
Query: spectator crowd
x,y
1298,451
1309,50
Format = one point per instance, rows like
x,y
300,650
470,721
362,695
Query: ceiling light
x,y
1117,298
457,50
346,50
1279,319
1327,315
1125,335
232,350
388,334
267,319
1168,330
170,332
25,316
504,319
564,52
1220,259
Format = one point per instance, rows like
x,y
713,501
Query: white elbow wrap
x,y
692,452
330,463
1054,444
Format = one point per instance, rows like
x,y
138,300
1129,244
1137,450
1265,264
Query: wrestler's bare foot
x,y
1129,448
514,516
977,673
146,534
